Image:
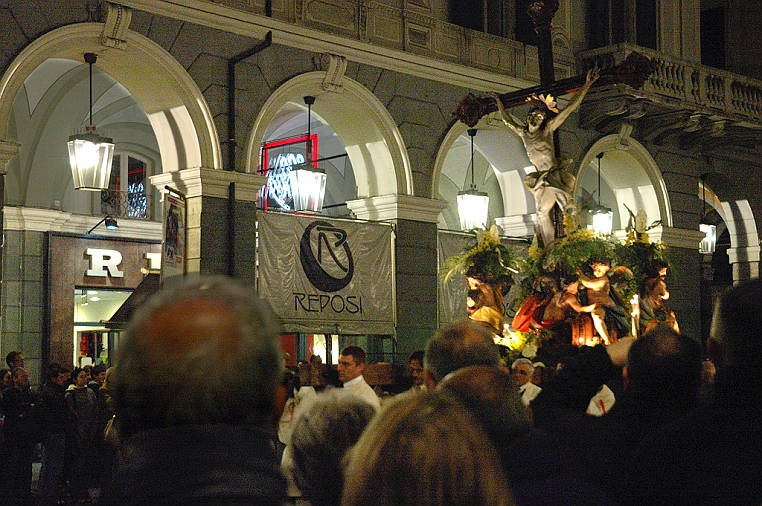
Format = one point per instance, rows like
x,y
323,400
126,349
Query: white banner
x,y
325,275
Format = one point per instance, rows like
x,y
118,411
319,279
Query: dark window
x,y
645,23
524,25
713,37
605,19
467,13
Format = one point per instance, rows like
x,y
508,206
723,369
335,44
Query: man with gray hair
x,y
522,371
195,396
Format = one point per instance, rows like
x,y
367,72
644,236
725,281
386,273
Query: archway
x,y
175,107
737,217
366,129
500,164
629,178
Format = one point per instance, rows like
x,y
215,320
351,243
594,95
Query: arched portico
x,y
716,191
629,177
175,107
373,143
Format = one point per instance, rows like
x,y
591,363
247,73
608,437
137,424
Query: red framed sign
x,y
277,159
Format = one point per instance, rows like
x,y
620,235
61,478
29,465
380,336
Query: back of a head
x,y
202,350
322,434
52,371
425,450
736,324
460,344
492,398
664,369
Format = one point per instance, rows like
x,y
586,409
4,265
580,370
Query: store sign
x,y
324,272
329,265
105,262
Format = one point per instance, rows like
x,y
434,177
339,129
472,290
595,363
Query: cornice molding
x,y
397,207
199,182
302,37
49,220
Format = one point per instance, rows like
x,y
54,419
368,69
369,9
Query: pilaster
x,y
220,219
415,228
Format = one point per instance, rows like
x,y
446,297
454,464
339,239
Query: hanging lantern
x,y
602,217
307,180
473,205
709,243
90,154
307,187
603,220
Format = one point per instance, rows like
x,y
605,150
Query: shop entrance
x,y
92,340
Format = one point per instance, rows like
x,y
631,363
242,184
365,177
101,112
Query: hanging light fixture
x,y
473,205
602,216
307,180
709,243
90,154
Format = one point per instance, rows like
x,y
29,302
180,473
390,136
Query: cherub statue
x,y
593,293
552,183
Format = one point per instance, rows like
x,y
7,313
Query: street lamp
x,y
90,154
110,222
473,205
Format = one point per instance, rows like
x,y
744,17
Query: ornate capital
x,y
200,182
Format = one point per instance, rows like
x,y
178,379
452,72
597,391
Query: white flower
x,y
529,351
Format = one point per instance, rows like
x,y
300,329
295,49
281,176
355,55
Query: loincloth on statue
x,y
557,177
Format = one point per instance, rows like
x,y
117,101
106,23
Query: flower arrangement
x,y
514,344
562,258
487,260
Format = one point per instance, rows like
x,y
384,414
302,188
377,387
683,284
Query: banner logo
x,y
333,266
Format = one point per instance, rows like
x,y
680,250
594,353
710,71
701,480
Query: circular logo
x,y
332,268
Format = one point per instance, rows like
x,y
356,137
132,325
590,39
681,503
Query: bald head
x,y
204,350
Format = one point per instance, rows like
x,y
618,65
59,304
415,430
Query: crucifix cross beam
x,y
633,72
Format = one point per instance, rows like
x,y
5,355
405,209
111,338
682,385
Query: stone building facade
x,y
196,88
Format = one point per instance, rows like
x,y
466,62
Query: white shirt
x,y
359,388
528,392
601,402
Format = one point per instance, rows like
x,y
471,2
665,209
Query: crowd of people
x,y
198,396
62,423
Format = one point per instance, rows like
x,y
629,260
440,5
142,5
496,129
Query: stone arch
x,y
630,176
492,141
367,130
738,218
176,108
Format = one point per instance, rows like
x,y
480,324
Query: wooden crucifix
x,y
552,183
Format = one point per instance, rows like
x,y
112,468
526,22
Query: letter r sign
x,y
102,260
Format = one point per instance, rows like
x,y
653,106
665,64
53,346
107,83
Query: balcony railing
x,y
692,85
